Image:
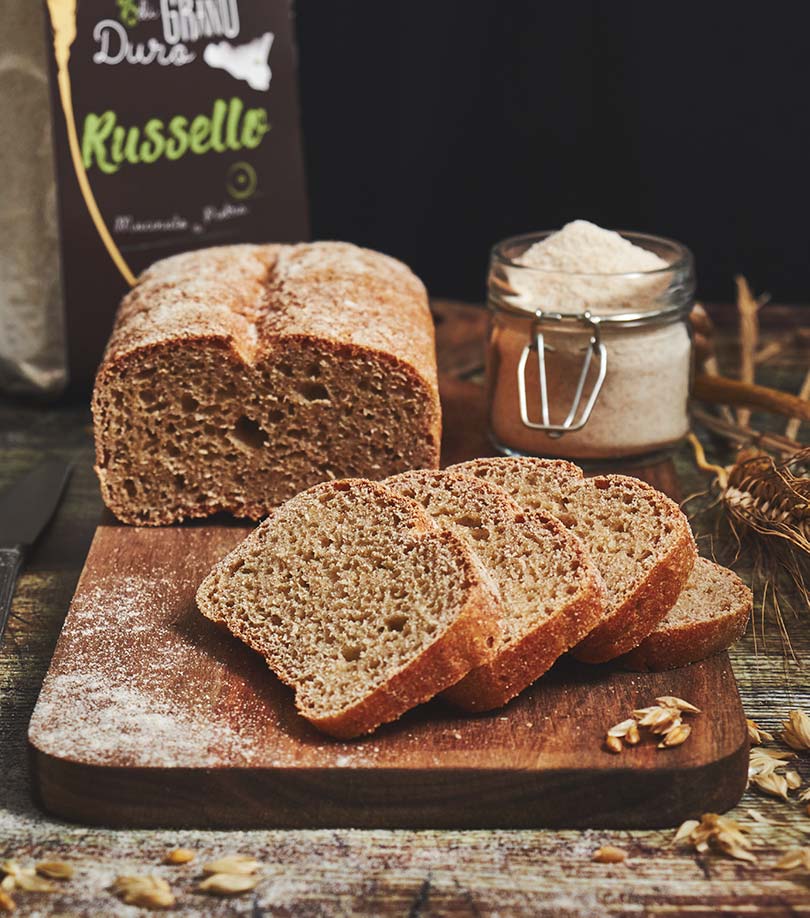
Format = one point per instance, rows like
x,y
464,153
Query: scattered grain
x,y
236,864
613,744
623,728
28,880
227,884
148,892
766,762
757,816
657,719
55,870
718,833
756,734
794,779
772,784
633,737
675,736
7,904
665,718
793,858
608,854
179,856
796,730
678,704
685,830
25,878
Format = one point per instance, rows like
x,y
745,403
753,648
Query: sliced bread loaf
x,y
359,601
550,593
710,615
238,376
639,540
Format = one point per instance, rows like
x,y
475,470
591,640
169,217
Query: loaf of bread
x,y
550,593
357,600
638,538
238,376
710,615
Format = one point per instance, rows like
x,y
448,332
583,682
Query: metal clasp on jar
x,y
574,420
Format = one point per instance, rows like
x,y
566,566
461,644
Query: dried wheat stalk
x,y
725,391
749,338
745,436
764,502
792,428
765,509
769,497
710,385
768,351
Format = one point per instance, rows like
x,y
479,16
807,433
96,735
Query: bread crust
x,y
248,304
650,601
679,644
467,642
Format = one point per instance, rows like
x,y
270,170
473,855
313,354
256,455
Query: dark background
x,y
433,128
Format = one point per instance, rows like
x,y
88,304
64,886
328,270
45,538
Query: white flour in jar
x,y
642,405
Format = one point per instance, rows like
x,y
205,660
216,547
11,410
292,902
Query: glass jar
x,y
588,366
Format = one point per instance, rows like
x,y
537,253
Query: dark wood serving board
x,y
150,715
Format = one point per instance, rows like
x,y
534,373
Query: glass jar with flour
x,y
589,349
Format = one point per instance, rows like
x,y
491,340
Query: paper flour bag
x,y
176,126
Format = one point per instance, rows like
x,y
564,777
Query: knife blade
x,y
26,507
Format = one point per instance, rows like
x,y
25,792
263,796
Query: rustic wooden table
x,y
351,872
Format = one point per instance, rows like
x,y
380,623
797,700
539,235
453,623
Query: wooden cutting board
x,y
150,715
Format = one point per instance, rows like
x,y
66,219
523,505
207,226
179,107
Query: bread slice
x,y
551,595
638,538
238,376
357,600
710,615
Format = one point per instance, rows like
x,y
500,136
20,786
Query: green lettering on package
x,y
108,145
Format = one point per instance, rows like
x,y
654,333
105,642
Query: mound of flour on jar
x,y
579,264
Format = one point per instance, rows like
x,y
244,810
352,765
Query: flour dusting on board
x,y
99,722
121,711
